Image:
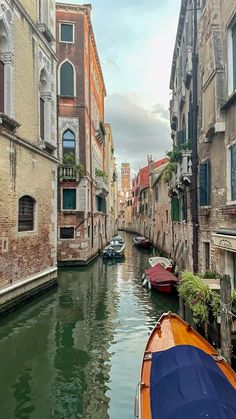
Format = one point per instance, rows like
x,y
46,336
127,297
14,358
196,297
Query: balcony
x,y
101,185
69,172
100,133
182,175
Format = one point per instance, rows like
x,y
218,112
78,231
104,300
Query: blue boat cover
x,y
186,383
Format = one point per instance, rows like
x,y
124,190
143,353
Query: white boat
x,y
115,249
167,263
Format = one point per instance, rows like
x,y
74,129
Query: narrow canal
x,y
75,352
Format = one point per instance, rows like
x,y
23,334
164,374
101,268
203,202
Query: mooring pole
x,y
226,318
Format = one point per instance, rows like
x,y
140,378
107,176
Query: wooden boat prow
x,y
171,331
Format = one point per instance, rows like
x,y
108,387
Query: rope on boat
x,y
144,282
224,306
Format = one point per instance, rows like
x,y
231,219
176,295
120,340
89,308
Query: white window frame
x,y
73,32
230,56
69,210
228,174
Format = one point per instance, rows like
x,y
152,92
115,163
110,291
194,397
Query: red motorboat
x,y
161,279
142,242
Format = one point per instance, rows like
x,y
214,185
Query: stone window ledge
x,y
229,101
8,123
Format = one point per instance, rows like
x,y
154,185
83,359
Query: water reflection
x,y
75,352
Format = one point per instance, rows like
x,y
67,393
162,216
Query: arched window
x,y
67,79
26,213
68,143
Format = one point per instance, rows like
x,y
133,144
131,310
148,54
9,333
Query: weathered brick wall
x,y
213,64
23,172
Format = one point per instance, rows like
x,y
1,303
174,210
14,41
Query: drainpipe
x,y
194,183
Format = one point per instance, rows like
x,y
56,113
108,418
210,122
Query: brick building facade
x,y
28,170
83,184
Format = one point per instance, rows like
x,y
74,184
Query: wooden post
x,y
226,318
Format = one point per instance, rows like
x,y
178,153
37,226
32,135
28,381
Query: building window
x,y
156,194
205,183
67,79
2,86
42,119
233,172
69,144
167,217
26,213
232,56
69,199
183,207
67,233
175,209
43,99
67,32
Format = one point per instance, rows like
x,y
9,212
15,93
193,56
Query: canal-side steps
x,y
180,366
19,292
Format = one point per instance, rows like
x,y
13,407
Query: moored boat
x,y
142,242
183,376
160,278
115,249
167,263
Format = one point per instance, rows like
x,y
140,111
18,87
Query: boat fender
x,y
145,281
149,285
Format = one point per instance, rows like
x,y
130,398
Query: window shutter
x,y
180,138
205,183
1,86
175,209
234,55
69,199
233,172
67,79
190,124
208,182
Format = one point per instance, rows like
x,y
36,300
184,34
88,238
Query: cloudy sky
x,y
135,42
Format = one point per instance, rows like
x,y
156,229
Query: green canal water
x,y
75,352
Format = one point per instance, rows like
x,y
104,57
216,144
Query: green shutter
x,y
67,79
234,55
180,138
190,124
175,209
69,199
233,172
205,183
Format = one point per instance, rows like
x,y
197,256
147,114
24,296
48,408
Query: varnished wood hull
x,y
171,331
